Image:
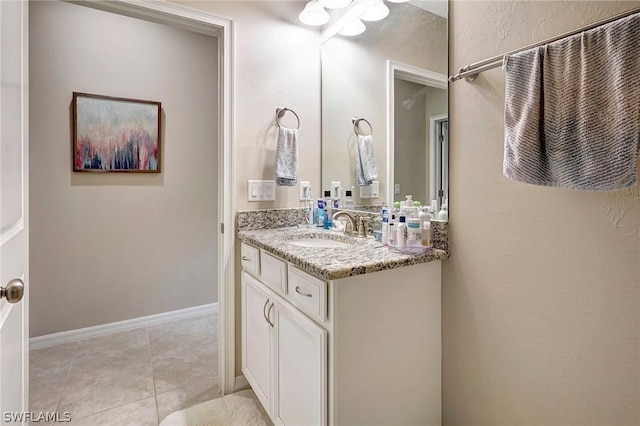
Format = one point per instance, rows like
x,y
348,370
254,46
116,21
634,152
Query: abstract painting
x,y
115,134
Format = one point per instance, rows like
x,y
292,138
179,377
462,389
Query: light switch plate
x,y
370,191
261,190
396,188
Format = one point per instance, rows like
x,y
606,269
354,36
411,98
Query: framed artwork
x,y
115,134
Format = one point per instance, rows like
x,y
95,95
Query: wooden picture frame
x,y
115,134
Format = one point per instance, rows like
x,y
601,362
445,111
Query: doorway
x,y
202,23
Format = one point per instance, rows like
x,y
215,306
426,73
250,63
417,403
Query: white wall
x,y
108,247
541,297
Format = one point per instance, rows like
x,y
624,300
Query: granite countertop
x,y
364,256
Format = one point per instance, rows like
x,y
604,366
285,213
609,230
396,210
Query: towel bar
x,y
356,120
281,111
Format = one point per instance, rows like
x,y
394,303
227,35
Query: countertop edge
x,y
344,271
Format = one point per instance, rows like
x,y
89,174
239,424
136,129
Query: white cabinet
x,y
301,368
284,357
257,339
362,350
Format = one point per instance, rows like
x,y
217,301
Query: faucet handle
x,y
362,226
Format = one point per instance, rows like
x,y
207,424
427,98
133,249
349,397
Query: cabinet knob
x,y
246,259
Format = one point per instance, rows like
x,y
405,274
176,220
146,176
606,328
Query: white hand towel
x,y
287,157
572,110
366,168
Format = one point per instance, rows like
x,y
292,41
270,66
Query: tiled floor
x,y
136,377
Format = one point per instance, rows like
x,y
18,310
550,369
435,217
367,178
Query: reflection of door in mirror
x,y
418,107
439,155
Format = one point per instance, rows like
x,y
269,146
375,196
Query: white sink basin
x,y
318,242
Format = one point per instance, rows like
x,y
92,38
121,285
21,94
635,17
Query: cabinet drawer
x,y
273,272
250,259
308,293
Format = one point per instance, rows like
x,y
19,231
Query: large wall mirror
x,y
394,77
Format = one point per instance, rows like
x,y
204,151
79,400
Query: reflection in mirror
x,y
394,76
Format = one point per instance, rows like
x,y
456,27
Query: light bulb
x,y
377,12
313,14
354,28
335,4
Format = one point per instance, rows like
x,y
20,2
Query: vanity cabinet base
x,y
385,351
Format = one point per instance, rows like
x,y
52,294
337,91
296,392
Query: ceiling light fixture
x,y
377,12
313,14
353,29
335,4
397,1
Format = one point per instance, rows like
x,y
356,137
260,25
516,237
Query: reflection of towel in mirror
x,y
366,169
287,157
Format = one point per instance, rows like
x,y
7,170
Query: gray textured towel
x,y
572,110
287,157
366,168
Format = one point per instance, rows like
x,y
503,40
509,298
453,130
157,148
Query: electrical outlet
x,y
370,191
305,190
336,189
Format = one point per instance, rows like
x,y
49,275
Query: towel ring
x,y
356,121
281,111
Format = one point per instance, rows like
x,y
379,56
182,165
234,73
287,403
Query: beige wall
x,y
541,297
276,63
111,247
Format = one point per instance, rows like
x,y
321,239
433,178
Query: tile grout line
x,y
66,378
153,377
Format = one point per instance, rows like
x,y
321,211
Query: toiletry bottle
x,y
320,220
414,232
336,197
426,234
434,209
384,215
326,224
424,216
391,237
444,212
348,199
310,211
401,232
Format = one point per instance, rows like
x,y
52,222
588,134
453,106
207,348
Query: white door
x,y
301,368
14,197
257,339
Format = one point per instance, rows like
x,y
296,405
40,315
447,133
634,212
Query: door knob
x,y
13,291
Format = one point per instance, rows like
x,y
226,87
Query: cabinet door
x,y
301,368
257,339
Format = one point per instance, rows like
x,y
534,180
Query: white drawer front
x,y
250,259
273,272
308,293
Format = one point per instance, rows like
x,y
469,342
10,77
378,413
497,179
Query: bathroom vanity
x,y
340,335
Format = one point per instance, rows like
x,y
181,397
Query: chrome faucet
x,y
350,227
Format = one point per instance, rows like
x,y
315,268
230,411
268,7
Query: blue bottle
x,y
326,223
320,221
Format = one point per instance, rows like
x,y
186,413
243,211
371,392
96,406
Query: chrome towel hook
x,y
281,111
356,121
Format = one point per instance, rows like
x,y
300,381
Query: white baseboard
x,y
114,327
240,383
